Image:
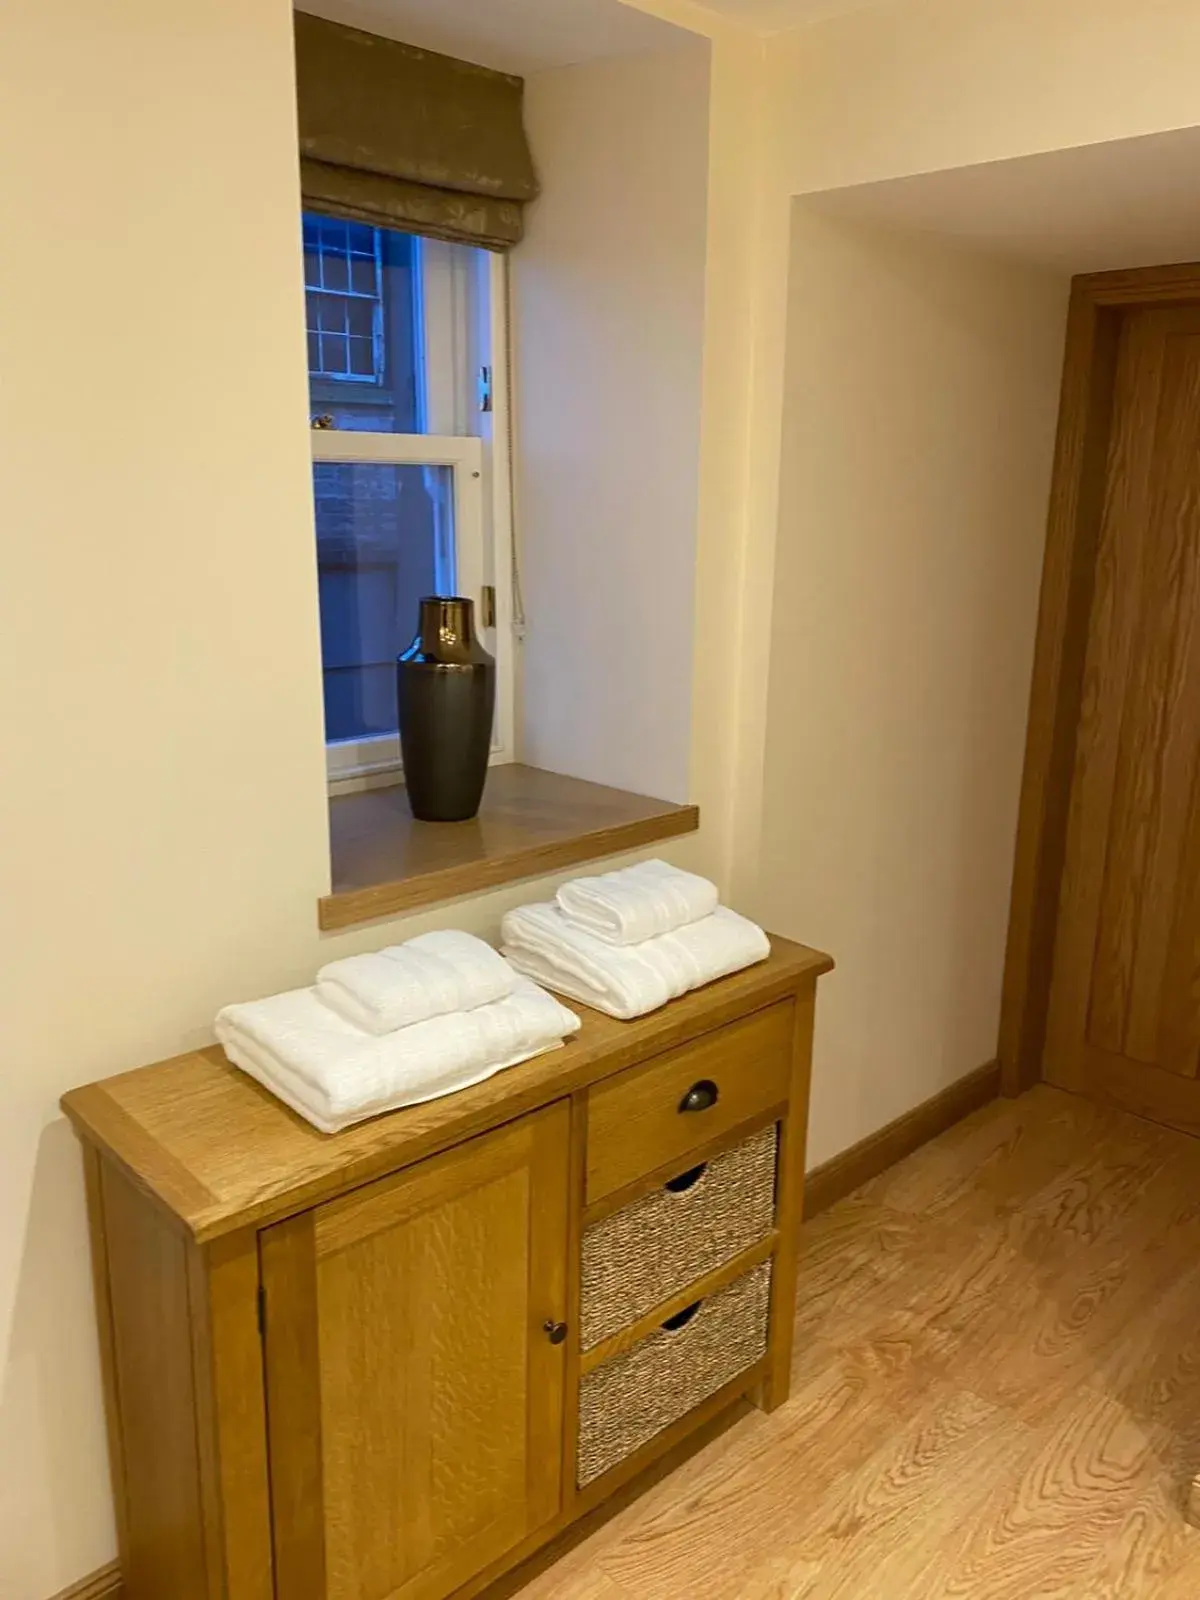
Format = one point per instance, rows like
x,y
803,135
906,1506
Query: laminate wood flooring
x,y
996,1390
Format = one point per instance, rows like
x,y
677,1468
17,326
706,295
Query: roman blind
x,y
406,138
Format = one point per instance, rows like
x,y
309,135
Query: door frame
x,y
1098,303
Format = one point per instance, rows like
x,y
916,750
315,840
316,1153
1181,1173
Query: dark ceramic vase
x,y
446,693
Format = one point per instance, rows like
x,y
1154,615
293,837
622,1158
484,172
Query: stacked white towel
x,y
335,1072
428,976
551,945
636,903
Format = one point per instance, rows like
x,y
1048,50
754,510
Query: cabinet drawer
x,y
624,1403
649,1117
643,1254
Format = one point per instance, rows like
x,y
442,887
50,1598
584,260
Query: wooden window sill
x,y
530,822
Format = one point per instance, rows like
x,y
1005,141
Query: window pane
x,y
362,276
362,357
337,272
331,311
360,238
385,534
335,356
362,318
417,304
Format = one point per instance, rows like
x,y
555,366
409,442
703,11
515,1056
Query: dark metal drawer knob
x,y
556,1332
701,1096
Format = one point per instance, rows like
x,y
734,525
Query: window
x,y
406,350
343,281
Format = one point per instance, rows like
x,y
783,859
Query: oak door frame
x,y
1098,303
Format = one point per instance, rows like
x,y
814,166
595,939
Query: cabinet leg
x,y
773,1388
775,1385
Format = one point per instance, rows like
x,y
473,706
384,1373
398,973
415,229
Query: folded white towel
x,y
334,1074
428,976
637,903
627,981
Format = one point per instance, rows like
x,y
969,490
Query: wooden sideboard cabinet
x,y
393,1364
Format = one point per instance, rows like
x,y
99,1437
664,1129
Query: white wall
x,y
609,321
922,389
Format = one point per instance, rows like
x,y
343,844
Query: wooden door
x,y
1124,1015
415,1400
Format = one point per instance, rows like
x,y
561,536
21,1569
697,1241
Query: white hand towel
x,y
637,903
627,981
334,1074
428,976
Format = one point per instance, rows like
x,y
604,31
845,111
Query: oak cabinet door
x,y
415,1400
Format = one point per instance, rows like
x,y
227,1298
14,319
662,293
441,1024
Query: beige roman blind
x,y
405,138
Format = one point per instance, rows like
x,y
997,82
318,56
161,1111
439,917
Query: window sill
x,y
530,822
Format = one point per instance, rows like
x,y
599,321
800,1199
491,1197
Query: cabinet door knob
x,y
556,1332
701,1096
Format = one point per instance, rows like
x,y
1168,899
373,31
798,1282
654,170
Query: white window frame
x,y
464,327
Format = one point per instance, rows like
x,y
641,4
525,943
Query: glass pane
x,y
362,317
368,284
385,537
362,358
360,238
333,234
331,310
335,356
362,276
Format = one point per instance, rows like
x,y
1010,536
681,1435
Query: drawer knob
x,y
556,1332
682,1318
701,1096
686,1180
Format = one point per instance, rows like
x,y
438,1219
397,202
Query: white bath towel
x,y
637,903
333,1074
627,981
428,976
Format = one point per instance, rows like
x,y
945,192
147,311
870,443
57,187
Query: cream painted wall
x,y
915,85
903,87
608,325
745,309
917,439
162,821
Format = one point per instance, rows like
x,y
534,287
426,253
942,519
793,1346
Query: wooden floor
x,y
996,1392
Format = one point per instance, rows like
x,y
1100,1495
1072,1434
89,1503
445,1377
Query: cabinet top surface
x,y
221,1153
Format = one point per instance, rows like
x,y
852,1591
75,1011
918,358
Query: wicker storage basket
x,y
629,1399
648,1251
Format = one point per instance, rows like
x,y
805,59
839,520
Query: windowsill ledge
x,y
530,822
